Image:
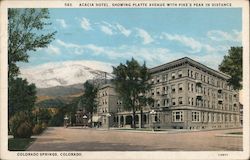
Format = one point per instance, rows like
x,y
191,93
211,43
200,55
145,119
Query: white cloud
x,y
107,30
85,24
190,42
62,23
53,50
211,60
218,35
145,36
123,30
80,49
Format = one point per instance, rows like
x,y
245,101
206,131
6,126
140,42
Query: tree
x,y
232,65
131,81
22,96
25,30
89,98
25,33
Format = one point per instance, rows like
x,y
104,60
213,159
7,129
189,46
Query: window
x,y
158,103
165,90
180,100
165,77
157,91
188,73
152,92
165,102
119,102
196,75
180,86
158,79
152,80
173,101
195,116
173,88
173,75
177,116
180,73
212,81
230,107
192,87
230,98
189,100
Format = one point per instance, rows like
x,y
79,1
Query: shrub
x,y
24,130
20,125
37,129
44,125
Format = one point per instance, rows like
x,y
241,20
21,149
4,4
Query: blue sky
x,y
156,36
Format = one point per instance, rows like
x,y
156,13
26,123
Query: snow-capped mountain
x,y
65,73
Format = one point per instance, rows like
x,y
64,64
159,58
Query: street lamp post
x,y
108,119
66,121
84,117
152,113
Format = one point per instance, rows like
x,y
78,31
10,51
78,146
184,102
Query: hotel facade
x,y
187,95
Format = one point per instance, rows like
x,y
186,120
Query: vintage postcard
x,y
120,79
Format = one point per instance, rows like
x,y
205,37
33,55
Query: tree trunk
x,y
91,114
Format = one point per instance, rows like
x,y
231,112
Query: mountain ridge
x,y
66,73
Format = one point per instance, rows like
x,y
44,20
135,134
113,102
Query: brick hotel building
x,y
187,94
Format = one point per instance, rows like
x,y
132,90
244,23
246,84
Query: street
x,y
82,139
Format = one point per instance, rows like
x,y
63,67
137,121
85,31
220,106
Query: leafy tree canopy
x,y
232,65
22,96
89,97
26,33
131,81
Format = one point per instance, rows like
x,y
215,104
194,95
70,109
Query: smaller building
x,y
107,105
82,117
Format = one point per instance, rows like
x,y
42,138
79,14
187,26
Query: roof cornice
x,y
191,62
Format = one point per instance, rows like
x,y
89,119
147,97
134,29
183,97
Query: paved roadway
x,y
80,139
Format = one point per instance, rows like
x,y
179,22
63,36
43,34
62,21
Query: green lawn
x,y
237,133
19,144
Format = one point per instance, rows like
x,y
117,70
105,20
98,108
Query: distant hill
x,y
61,90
